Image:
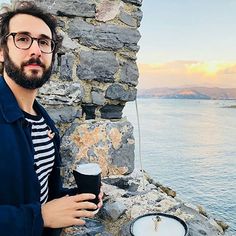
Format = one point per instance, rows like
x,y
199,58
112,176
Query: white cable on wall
x,y
139,142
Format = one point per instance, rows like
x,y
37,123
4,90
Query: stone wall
x,y
94,75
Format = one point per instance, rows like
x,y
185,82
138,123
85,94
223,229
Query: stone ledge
x,y
125,199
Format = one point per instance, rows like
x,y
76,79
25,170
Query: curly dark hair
x,y
30,8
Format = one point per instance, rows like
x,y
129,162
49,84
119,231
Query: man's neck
x,y
25,97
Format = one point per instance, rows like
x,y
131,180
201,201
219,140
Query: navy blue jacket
x,y
20,209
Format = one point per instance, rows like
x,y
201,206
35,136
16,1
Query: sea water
x,y
190,146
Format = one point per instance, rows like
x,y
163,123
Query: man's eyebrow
x,y
28,33
44,36
23,32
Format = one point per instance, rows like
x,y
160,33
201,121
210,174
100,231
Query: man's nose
x,y
35,49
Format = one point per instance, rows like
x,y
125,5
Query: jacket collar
x,y
10,109
8,104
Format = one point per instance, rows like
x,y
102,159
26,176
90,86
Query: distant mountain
x,y
190,93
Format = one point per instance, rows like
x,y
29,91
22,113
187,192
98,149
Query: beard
x,y
18,75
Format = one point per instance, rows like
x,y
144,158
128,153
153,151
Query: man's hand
x,y
100,196
68,210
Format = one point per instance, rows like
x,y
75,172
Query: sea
x,y
190,146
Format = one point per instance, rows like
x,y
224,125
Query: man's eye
x,y
44,42
23,39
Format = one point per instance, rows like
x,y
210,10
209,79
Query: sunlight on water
x,y
189,145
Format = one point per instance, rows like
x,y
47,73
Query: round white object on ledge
x,y
158,224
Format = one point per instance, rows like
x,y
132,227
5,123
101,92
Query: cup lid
x,y
88,169
158,224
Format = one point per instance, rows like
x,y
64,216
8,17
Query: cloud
x,y
187,73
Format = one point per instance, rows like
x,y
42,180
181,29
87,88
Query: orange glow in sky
x,y
210,69
187,73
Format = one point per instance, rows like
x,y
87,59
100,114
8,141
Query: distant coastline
x,y
233,106
189,93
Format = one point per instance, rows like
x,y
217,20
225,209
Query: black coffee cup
x,y
88,179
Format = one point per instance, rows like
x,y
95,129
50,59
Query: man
x,y
31,200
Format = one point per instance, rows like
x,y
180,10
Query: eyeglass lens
x,y
24,41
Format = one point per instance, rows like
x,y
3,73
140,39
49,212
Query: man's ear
x,y
1,55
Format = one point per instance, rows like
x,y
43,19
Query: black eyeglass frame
x,y
53,43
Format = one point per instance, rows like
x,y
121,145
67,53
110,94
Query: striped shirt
x,y
44,152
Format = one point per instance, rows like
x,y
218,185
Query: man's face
x,y
29,68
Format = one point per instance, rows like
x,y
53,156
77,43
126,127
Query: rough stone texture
x,y
138,14
91,228
111,144
113,211
107,10
70,8
135,2
128,19
61,93
122,206
100,66
118,92
111,111
67,62
98,97
104,36
123,156
89,111
129,73
66,113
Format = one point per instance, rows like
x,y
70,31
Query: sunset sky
x,y
188,43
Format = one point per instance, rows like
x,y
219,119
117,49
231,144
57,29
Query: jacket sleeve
x,y
25,220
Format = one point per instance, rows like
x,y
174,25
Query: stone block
x,y
100,66
69,8
129,73
61,23
104,36
98,98
107,10
118,182
68,43
127,19
89,110
61,93
65,114
111,111
55,65
105,140
67,62
113,211
138,14
134,2
118,92
92,227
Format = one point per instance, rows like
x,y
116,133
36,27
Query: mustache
x,y
36,61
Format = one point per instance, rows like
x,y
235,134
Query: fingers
x,y
100,196
82,201
83,197
78,221
84,213
100,204
85,205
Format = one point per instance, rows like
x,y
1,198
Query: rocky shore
x,y
127,197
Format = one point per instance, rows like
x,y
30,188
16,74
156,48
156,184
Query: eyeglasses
x,y
24,41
